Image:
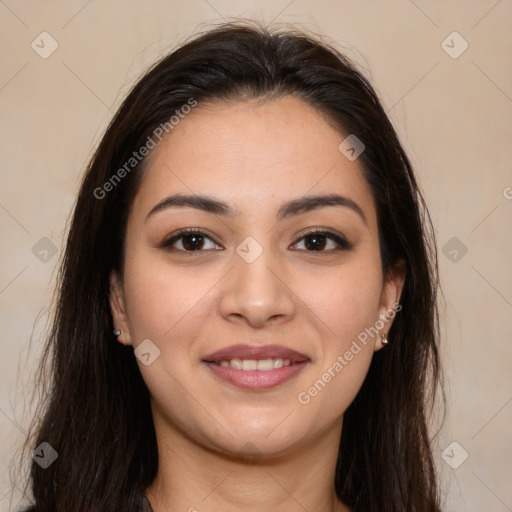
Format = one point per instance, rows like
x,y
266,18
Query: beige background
x,y
453,115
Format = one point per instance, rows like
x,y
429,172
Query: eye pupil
x,y
318,242
197,242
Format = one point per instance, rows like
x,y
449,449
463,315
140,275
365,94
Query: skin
x,y
254,157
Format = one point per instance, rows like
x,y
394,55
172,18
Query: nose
x,y
257,293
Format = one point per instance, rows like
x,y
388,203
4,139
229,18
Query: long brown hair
x,y
95,410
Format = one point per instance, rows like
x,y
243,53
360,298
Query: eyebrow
x,y
289,209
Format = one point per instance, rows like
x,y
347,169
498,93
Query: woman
x,y
247,310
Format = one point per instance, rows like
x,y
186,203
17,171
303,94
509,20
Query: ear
x,y
117,308
390,302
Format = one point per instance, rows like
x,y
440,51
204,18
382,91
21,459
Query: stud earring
x,y
384,339
117,334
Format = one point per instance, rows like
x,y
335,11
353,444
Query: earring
x,y
117,334
384,339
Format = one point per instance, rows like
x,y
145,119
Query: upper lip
x,y
256,352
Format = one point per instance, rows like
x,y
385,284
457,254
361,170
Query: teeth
x,y
278,363
265,365
249,364
252,364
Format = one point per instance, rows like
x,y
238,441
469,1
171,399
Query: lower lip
x,y
256,379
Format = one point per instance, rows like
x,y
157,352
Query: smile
x,y
256,375
253,364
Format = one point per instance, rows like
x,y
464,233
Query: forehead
x,y
254,155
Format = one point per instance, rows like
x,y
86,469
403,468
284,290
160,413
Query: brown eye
x,y
190,241
318,241
315,242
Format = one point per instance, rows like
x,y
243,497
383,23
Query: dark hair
x,y
96,411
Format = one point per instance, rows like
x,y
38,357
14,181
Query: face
x,y
253,272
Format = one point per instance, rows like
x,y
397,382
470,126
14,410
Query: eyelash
x,y
342,243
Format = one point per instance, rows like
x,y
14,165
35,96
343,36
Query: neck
x,y
192,477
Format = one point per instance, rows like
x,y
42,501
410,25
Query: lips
x,y
255,352
255,367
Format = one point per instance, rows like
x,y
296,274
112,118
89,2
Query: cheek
x,y
165,303
345,304
346,299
